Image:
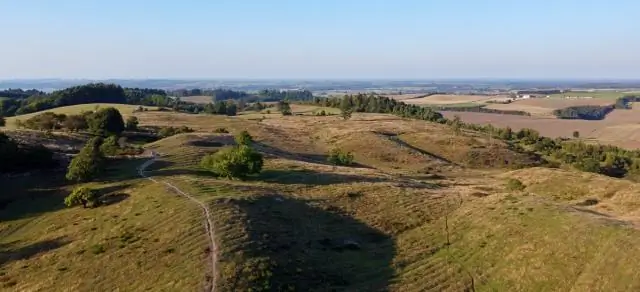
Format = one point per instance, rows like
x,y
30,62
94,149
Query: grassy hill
x,y
423,209
125,110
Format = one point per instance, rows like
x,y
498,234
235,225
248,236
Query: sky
x,y
328,39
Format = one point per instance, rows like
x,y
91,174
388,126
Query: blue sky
x,y
319,39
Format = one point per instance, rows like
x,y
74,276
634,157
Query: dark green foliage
x,y
3,121
232,109
106,121
15,157
480,109
585,112
234,162
514,185
278,95
623,102
284,108
88,163
339,157
576,134
110,146
244,138
82,196
588,164
131,124
170,131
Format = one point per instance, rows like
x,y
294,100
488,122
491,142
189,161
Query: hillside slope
x,y
423,209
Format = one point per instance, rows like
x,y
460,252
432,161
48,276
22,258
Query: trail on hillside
x,y
208,222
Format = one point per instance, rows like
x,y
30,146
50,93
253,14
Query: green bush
x,y
110,146
339,157
106,121
234,162
243,138
515,185
88,163
82,196
170,131
131,124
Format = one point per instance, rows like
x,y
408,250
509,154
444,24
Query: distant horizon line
x,y
603,79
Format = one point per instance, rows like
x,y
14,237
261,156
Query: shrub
x,y
110,146
221,130
75,123
82,196
131,124
233,162
170,131
106,121
3,122
339,157
576,134
515,185
88,163
243,138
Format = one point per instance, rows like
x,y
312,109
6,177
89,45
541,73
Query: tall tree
x,y
88,163
106,122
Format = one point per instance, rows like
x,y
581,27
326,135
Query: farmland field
x,y
545,106
607,94
203,99
447,99
619,128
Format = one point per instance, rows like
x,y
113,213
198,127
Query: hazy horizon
x,y
328,40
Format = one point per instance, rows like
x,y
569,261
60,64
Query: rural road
x,y
208,223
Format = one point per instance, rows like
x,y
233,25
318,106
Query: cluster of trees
x,y
229,108
105,121
481,109
585,112
216,94
19,93
238,161
624,102
379,104
278,95
170,131
17,157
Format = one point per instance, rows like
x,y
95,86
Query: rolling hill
x,y
424,209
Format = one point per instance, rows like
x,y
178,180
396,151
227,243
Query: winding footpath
x,y
208,223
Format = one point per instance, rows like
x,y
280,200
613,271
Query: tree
x,y
234,162
244,138
75,123
132,123
88,163
232,109
110,146
576,134
284,108
106,122
3,122
340,157
346,107
345,113
82,196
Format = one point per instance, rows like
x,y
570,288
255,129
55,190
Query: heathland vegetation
x,y
373,195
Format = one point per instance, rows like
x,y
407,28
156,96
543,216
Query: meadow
x,y
424,208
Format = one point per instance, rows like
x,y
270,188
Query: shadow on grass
x,y
297,245
9,253
311,177
23,197
306,157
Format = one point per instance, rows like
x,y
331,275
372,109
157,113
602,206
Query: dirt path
x,y
208,222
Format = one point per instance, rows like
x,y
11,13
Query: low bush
x,y
340,157
515,185
234,162
82,196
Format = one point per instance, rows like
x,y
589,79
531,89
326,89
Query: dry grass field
x,y
450,99
619,128
203,99
404,96
546,106
423,209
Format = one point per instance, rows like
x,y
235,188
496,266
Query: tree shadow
x,y
298,245
311,177
9,253
306,157
114,198
22,197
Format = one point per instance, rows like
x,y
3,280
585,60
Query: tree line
x,y
584,112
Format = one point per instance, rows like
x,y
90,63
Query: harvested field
x,y
545,106
203,99
404,96
607,94
444,99
619,128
